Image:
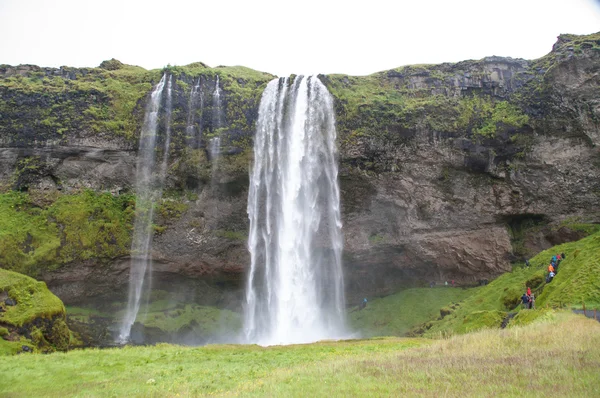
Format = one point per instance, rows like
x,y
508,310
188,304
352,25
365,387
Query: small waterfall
x,y
215,142
193,136
294,291
215,149
148,187
168,112
217,111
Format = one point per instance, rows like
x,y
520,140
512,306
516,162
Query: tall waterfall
x,y
294,291
217,115
192,134
148,187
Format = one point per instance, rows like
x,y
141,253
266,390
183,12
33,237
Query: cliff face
x,y
440,167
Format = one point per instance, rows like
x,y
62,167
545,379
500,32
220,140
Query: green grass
x,y
397,314
558,355
202,320
577,283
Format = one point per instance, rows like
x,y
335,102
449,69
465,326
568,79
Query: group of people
x,y
528,298
553,267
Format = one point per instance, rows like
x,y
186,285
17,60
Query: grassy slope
x,y
558,356
397,314
577,282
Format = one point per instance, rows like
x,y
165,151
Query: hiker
x,y
551,276
554,259
531,302
432,284
525,299
363,304
528,291
550,268
446,283
527,263
452,282
563,255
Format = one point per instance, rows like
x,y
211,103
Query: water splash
x,y
294,291
148,191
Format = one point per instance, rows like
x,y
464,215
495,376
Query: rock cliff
x,y
447,171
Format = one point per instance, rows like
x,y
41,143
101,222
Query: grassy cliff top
x,y
33,299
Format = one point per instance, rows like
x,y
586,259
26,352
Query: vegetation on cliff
x,y
42,230
31,316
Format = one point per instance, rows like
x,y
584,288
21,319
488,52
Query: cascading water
x,y
148,190
294,291
214,149
217,123
217,111
193,136
168,111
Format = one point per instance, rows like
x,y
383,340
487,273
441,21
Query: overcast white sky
x,y
283,37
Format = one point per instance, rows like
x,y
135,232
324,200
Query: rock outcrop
x,y
436,164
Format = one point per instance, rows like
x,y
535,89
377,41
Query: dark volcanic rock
x,y
435,162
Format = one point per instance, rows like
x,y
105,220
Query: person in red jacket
x,y
529,291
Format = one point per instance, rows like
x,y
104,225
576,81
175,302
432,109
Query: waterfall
x,y
214,149
168,112
294,291
217,115
192,136
148,187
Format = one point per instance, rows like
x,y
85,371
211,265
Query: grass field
x,y
559,355
397,314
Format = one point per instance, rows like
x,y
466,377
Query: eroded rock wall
x,y
435,163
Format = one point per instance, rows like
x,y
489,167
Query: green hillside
x,y
397,314
576,284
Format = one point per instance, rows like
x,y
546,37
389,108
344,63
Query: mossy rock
x,y
38,318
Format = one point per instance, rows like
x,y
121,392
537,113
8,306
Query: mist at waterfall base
x,y
294,291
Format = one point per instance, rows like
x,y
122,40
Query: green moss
x,y
44,231
33,299
171,209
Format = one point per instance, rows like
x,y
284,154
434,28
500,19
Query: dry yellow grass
x,y
553,357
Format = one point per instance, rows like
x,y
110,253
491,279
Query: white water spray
x,y
217,115
294,291
148,190
193,136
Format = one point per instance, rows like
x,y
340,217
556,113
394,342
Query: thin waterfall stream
x,y
294,291
148,188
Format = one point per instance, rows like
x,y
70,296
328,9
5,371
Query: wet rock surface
x,y
421,201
